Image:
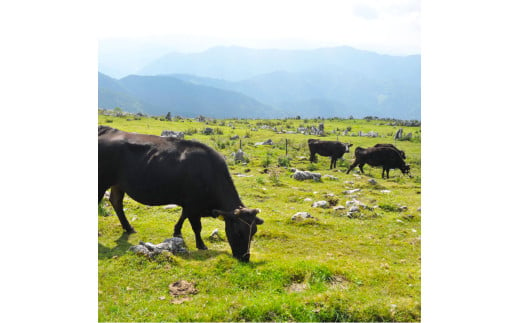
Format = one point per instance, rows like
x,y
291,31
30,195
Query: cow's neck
x,y
228,197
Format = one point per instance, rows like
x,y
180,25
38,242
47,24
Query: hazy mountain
x,y
237,63
158,95
327,93
324,82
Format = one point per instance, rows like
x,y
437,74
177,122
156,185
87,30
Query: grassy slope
x,y
334,268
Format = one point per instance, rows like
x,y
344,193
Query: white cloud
x,y
380,25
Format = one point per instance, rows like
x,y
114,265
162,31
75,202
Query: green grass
x,y
332,268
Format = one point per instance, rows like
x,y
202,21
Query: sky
x,y
384,26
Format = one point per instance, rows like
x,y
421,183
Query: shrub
x,y
284,161
266,162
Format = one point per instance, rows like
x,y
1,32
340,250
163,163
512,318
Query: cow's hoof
x,y
130,231
202,247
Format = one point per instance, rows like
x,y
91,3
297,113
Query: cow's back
x,y
383,156
327,148
157,170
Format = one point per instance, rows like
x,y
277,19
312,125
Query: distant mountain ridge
x,y
239,82
158,95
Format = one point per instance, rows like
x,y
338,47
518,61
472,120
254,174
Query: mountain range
x,y
225,82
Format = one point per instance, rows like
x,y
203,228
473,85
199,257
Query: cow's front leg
x,y
197,228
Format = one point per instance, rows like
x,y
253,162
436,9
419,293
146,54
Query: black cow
x,y
332,149
401,152
386,157
157,170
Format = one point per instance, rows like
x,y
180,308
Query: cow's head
x,y
240,229
347,147
406,170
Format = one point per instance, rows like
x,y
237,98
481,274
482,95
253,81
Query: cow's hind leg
x,y
178,226
352,167
116,199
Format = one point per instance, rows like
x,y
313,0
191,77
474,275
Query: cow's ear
x,y
350,145
258,221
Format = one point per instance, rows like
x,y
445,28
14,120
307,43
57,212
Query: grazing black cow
x,y
157,170
401,152
386,157
332,149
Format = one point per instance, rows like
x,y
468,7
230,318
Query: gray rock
x,y
303,175
330,177
239,156
215,236
372,181
322,204
174,245
301,216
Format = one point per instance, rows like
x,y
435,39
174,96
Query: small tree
x,y
118,111
169,116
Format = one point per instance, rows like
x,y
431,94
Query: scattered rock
x,y
170,206
385,191
352,191
239,156
372,181
339,208
215,236
207,131
354,209
174,134
267,142
308,199
235,137
303,175
174,245
322,204
301,216
330,177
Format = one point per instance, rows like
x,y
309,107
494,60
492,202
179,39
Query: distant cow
x,y
155,170
388,158
392,146
332,149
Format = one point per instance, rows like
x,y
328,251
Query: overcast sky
x,y
385,26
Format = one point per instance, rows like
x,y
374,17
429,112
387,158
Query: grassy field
x,y
334,267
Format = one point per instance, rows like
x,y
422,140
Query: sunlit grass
x,y
333,268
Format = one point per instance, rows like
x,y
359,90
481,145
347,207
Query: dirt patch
x,y
339,282
180,291
297,287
